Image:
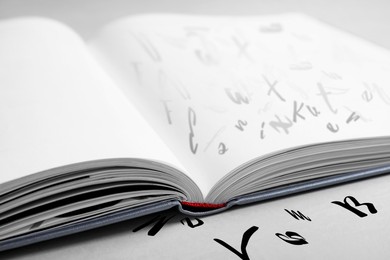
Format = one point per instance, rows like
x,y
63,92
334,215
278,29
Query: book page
x,y
223,91
57,107
323,224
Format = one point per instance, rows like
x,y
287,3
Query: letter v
x,y
244,242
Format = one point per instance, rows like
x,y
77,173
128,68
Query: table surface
x,y
331,232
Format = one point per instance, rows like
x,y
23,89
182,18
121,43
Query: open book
x,y
199,113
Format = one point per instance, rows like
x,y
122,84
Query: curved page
x,y
222,90
58,107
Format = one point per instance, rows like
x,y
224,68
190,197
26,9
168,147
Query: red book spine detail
x,y
203,205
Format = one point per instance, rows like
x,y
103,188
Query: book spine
x,y
202,205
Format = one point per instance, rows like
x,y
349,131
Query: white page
x,y
215,88
333,232
58,107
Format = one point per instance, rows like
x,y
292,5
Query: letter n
x,y
160,222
